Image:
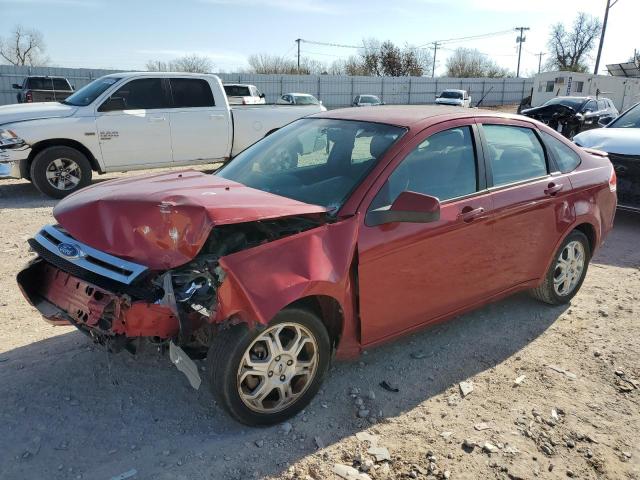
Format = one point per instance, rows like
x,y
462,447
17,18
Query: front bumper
x,y
11,161
73,284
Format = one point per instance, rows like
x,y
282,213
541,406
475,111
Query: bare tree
x,y
387,59
267,63
470,63
570,49
24,47
188,63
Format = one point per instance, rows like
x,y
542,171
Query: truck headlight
x,y
9,139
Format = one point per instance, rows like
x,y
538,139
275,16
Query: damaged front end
x,y
119,303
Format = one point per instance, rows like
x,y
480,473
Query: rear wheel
x,y
567,272
59,171
264,376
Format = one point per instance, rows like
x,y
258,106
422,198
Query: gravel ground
x,y
70,410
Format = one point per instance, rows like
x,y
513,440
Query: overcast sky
x,y
126,33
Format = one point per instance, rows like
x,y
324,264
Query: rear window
x,y
61,84
237,91
191,92
39,83
566,158
515,154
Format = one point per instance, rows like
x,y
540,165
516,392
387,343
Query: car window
x,y
61,84
140,94
40,83
515,154
629,119
237,91
591,105
602,105
443,166
566,158
191,92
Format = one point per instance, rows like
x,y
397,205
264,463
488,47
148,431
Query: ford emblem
x,y
69,250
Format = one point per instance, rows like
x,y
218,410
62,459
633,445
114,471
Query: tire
x,y
72,166
226,358
547,291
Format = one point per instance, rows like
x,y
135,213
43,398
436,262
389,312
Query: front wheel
x,y
58,171
264,376
567,272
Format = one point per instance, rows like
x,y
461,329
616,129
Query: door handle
x,y
214,116
468,214
553,188
156,119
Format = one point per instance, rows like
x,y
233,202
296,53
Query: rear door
x,y
413,273
530,199
133,125
200,129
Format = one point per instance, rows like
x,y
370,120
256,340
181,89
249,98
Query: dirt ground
x,y
68,410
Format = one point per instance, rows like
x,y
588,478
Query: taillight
x,y
613,180
28,97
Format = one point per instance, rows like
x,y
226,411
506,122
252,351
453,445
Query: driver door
x,y
133,125
412,274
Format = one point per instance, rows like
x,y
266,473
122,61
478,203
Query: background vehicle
x,y
621,140
130,121
572,115
452,96
43,89
366,101
241,94
330,249
298,99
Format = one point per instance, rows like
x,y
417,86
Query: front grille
x,y
88,258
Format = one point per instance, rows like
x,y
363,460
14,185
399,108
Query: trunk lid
x,y
163,220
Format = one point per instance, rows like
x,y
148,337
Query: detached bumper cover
x,y
11,160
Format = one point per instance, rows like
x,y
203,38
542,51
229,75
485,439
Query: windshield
x,y
629,119
89,93
446,94
318,161
237,91
574,103
369,99
306,100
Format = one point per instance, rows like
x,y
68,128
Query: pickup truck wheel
x,y
264,376
567,272
59,171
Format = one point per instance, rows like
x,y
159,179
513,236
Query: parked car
x,y
240,94
43,89
621,140
298,99
366,101
452,96
390,220
129,121
572,115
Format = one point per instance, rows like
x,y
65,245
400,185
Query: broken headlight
x,y
9,139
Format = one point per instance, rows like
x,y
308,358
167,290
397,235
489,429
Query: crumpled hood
x,y
163,220
547,111
34,111
624,141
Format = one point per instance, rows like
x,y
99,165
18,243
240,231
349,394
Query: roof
x,y
402,115
158,74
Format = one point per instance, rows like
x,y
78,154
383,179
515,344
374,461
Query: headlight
x,y
9,139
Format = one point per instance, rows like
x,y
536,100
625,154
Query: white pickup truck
x,y
131,121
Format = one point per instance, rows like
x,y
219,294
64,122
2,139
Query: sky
x,y
125,34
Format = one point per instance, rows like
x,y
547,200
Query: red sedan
x,y
336,233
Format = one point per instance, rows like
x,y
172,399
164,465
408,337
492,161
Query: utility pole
x,y
610,4
539,55
520,40
298,40
433,67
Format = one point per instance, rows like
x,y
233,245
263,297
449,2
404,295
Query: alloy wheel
x,y
569,268
277,367
63,174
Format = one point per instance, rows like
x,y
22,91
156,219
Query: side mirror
x,y
320,102
113,104
603,122
409,207
16,86
261,95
